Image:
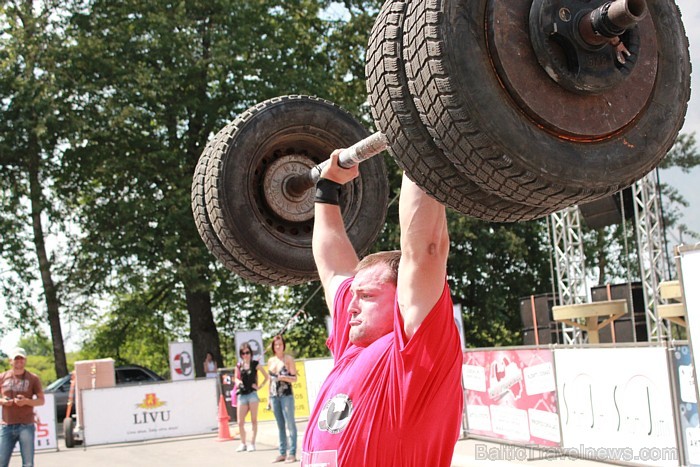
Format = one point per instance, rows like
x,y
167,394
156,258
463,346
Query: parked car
x,y
125,374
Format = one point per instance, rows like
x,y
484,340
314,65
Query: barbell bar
x,y
348,157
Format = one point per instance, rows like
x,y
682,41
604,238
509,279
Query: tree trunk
x,y
203,332
47,282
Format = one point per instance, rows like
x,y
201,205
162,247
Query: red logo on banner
x,y
151,401
183,364
42,430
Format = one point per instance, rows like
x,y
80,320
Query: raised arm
x,y
334,254
424,248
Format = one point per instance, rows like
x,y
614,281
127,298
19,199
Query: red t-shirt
x,y
27,385
397,402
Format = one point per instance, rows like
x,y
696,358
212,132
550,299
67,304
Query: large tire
x,y
484,124
203,223
410,143
275,249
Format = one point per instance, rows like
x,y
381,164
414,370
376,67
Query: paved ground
x,y
205,450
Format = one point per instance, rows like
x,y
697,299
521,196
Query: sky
x,y
689,184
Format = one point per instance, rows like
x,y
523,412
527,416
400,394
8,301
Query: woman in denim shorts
x,y
247,393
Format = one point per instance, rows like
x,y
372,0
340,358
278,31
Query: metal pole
x,y
611,20
349,157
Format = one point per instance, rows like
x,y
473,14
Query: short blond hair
x,y
389,258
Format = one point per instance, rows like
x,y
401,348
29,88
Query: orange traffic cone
x,y
224,433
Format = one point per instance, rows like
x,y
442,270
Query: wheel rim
x,y
282,157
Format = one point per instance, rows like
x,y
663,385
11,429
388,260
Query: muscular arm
x,y
424,249
334,254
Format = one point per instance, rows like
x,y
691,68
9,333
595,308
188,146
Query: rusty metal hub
x,y
582,48
560,70
289,204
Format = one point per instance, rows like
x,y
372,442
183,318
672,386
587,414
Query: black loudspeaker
x,y
543,310
626,331
550,334
608,211
634,322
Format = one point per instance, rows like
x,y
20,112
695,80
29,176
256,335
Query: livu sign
x,y
160,410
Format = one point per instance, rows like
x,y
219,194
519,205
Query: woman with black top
x,y
247,393
283,374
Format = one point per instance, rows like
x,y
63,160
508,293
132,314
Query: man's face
x,y
18,363
372,306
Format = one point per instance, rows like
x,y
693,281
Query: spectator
x,y
21,392
247,394
210,366
283,373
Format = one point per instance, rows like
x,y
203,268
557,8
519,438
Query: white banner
x,y
317,371
615,404
149,411
181,361
690,277
45,424
254,339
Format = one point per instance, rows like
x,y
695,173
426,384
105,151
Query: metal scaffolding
x,y
569,260
652,260
570,264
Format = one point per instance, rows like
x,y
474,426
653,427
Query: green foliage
x,y
139,328
156,80
43,367
490,267
36,344
345,46
34,119
683,154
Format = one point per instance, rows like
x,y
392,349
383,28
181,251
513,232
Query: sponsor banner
x,y
226,387
617,400
510,394
301,399
689,261
45,422
687,404
181,361
317,370
255,340
149,411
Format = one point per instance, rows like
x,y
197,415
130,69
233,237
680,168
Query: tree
x,y
683,154
31,124
152,82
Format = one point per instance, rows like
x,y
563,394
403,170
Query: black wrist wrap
x,y
328,191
